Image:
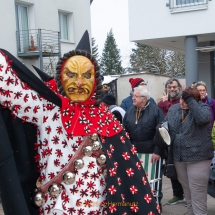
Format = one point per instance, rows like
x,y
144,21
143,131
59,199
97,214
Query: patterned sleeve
x,y
201,111
18,96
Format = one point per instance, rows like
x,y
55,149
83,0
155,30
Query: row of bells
x,y
69,177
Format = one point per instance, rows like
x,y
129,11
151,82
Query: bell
x,y
105,173
79,163
94,137
96,145
38,199
101,159
54,190
88,150
68,177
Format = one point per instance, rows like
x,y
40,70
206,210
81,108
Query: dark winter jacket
x,y
127,102
191,139
142,134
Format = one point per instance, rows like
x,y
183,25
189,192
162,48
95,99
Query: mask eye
x,y
87,75
70,74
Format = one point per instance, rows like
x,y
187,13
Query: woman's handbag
x,y
169,166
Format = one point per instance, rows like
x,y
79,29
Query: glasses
x,y
174,87
135,96
142,84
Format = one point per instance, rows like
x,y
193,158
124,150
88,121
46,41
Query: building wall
x,y
152,19
43,14
154,82
206,71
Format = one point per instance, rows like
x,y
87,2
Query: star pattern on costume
x,y
134,208
122,139
119,181
144,180
148,198
112,172
126,155
112,209
112,189
138,165
130,172
133,189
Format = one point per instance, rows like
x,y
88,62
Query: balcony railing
x,y
39,43
187,5
30,42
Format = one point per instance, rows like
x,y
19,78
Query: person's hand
x,y
164,97
155,158
185,96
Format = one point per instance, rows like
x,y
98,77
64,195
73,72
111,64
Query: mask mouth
x,y
73,90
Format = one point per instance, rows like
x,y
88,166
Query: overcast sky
x,y
107,14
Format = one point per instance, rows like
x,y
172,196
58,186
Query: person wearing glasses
x,y
127,102
201,87
171,96
140,122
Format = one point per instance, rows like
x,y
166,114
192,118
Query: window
x,y
188,2
63,23
22,27
187,5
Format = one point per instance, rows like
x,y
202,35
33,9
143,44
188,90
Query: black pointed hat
x,y
84,43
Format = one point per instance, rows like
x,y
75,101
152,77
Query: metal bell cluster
x,y
69,177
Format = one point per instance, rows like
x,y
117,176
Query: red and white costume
x,y
60,133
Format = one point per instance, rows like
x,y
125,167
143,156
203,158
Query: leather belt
x,y
69,167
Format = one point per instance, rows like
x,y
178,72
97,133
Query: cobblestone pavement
x,y
178,209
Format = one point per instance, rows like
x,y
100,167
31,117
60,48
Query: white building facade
x,y
38,32
185,26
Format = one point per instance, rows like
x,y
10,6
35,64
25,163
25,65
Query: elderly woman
x,y
190,132
201,87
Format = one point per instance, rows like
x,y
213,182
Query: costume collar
x,y
80,119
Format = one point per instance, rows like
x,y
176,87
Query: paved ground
x,y
178,209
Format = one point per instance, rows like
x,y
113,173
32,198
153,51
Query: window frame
x,y
23,41
60,15
175,8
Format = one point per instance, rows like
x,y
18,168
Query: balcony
x,y
177,6
38,43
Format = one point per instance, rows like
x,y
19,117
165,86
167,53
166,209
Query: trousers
x,y
194,177
177,188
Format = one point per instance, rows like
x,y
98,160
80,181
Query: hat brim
x,y
165,135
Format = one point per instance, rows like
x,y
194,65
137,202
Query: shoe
x,y
185,204
175,200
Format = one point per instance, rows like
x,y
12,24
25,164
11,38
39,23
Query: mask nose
x,y
79,82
